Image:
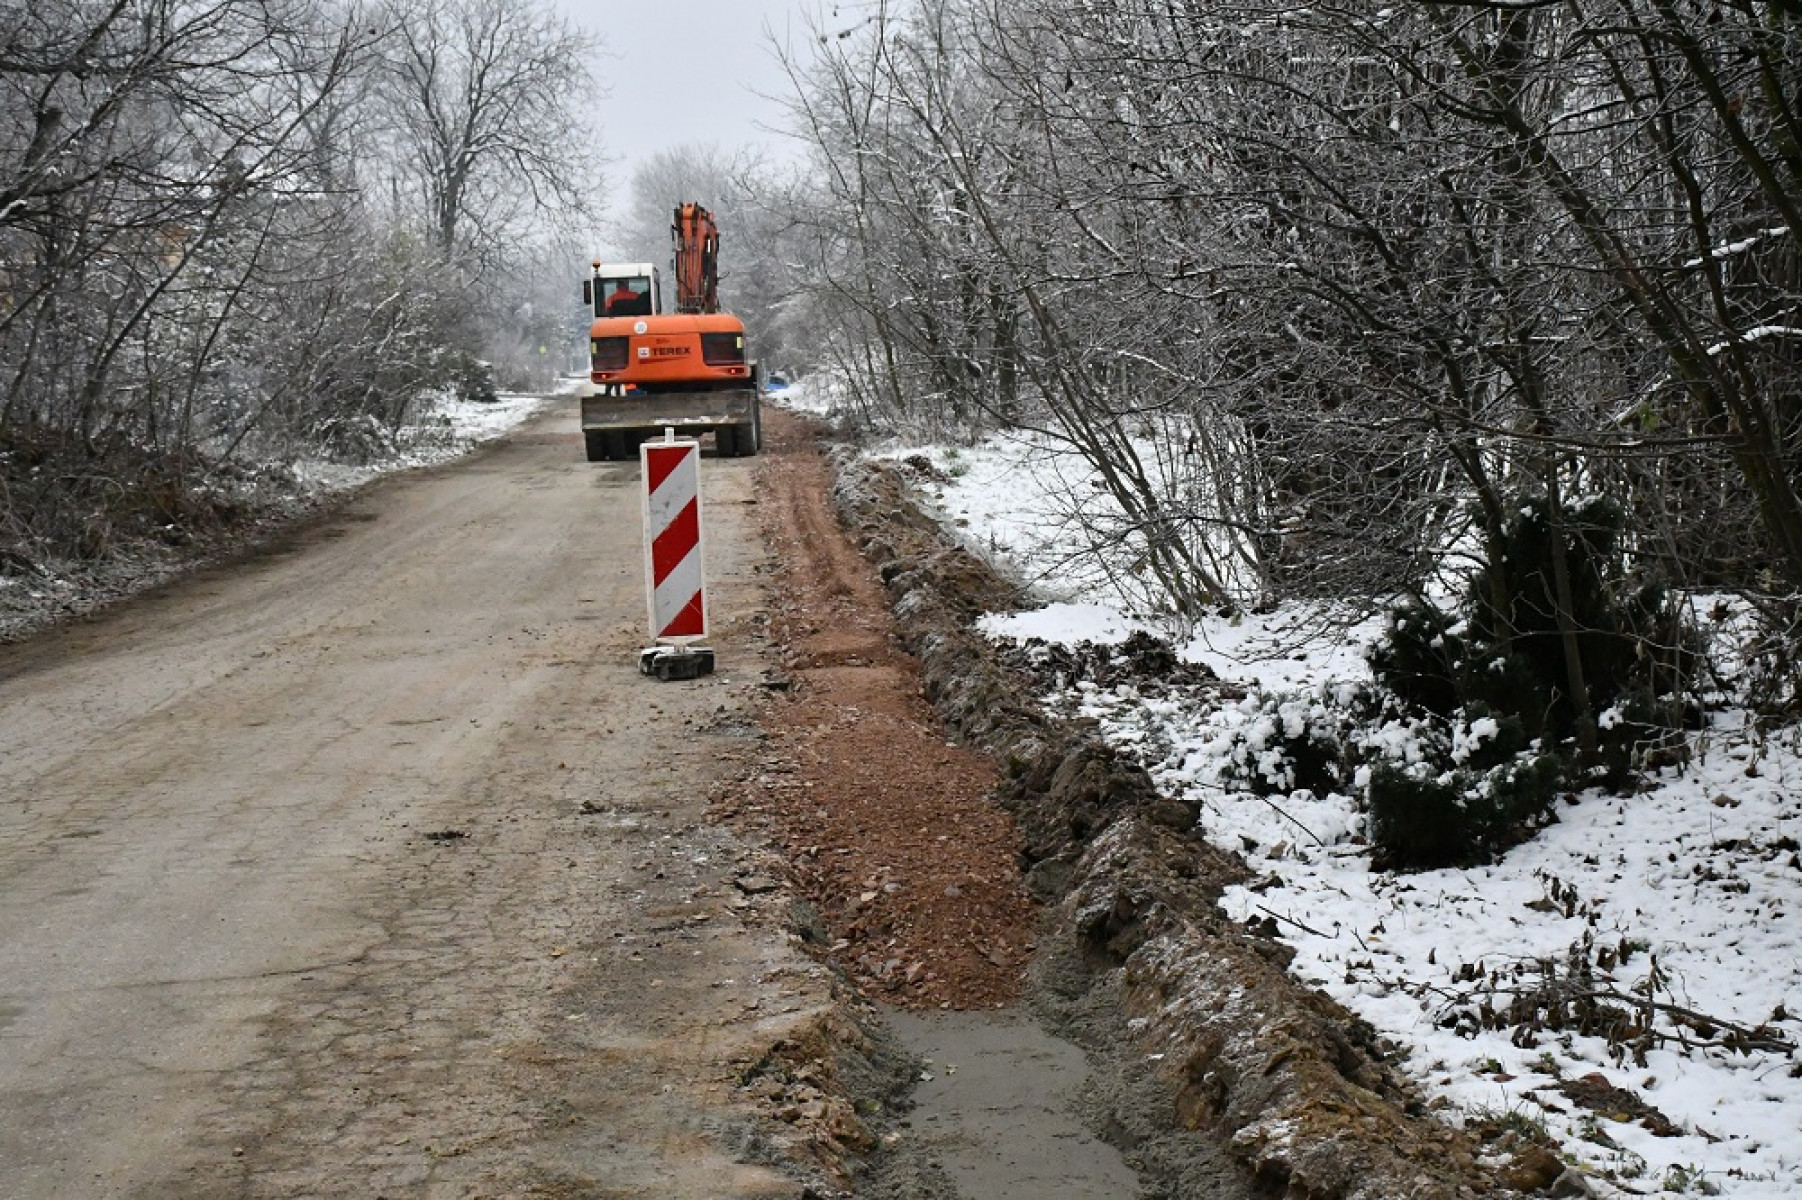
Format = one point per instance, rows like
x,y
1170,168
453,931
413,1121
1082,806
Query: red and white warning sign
x,y
675,582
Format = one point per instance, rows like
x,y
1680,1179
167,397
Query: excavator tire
x,y
595,443
740,441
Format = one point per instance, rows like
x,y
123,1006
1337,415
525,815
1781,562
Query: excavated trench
x,y
1081,912
909,874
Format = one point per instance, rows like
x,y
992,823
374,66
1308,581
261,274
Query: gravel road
x,y
372,867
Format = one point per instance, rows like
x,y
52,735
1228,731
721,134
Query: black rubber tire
x,y
595,443
752,440
726,441
620,447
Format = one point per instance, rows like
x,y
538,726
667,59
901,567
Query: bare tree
x,y
1379,270
990,293
489,103
149,143
194,264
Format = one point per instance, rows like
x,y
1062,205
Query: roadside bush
x,y
1490,683
359,438
1419,821
67,500
474,379
1286,742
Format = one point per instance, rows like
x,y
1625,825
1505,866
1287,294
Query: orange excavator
x,y
654,370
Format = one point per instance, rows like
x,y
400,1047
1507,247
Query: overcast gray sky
x,y
689,72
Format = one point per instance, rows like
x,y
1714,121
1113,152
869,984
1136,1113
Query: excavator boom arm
x,y
697,242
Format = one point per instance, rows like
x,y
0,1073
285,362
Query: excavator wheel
x,y
595,442
740,441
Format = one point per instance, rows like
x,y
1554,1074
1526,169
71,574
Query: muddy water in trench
x,y
999,1106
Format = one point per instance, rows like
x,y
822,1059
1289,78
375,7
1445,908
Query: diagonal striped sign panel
x,y
672,534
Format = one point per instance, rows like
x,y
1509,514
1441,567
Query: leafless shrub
x,y
202,257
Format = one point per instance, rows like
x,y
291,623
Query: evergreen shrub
x,y
1485,691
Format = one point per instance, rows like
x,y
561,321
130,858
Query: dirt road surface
x,y
372,867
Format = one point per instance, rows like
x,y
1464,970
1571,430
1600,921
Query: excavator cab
x,y
623,290
628,298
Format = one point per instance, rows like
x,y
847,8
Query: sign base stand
x,y
675,662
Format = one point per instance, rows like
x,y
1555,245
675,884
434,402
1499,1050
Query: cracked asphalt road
x,y
371,866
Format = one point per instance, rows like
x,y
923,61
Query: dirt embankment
x,y
1137,962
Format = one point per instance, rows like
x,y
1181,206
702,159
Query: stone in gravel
x,y
756,885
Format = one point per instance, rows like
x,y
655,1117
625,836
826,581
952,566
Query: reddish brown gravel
x,y
889,830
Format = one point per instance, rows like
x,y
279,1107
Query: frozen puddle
x,y
1000,1109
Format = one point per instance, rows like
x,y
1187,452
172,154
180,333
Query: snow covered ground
x,y
821,395
1683,901
451,428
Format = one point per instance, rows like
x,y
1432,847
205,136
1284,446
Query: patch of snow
x,y
1293,647
1756,334
1064,624
820,394
1026,501
1699,876
449,429
1729,249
